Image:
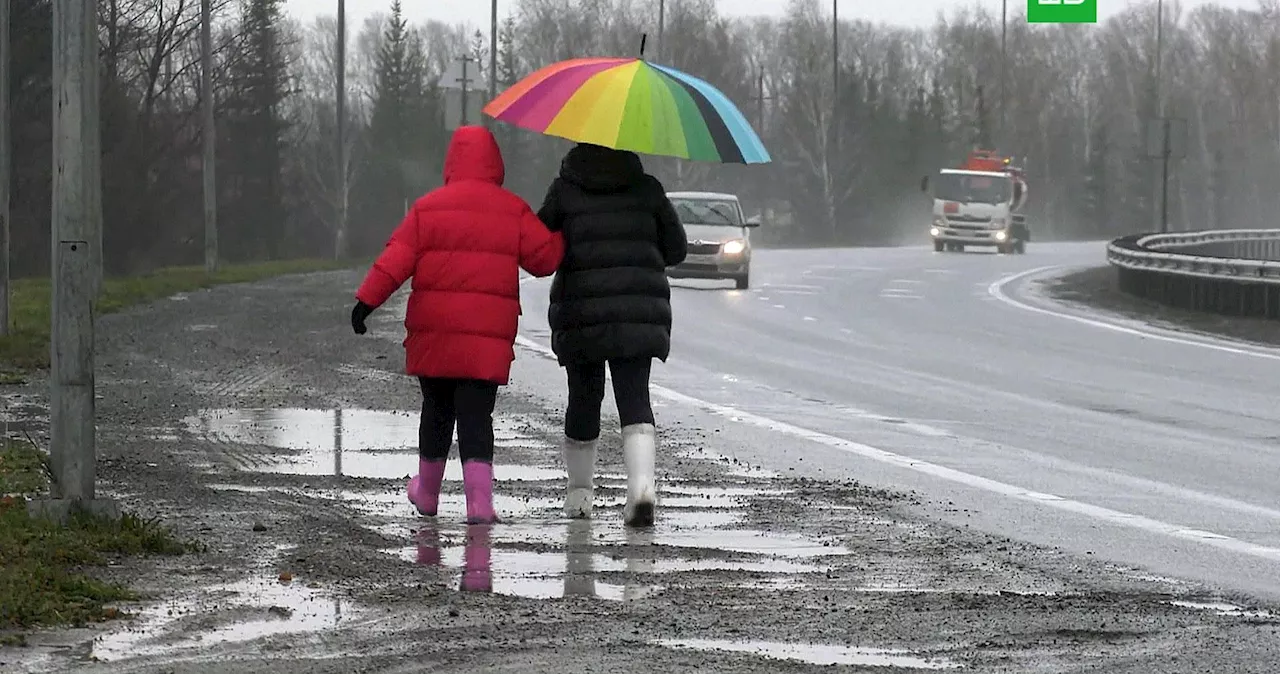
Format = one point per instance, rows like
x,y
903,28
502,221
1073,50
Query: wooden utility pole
x,y
760,99
463,82
208,167
340,67
6,162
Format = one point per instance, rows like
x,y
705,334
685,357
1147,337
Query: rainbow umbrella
x,y
631,104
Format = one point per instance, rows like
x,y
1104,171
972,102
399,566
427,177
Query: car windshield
x,y
972,189
707,212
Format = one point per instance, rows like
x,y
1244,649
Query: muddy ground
x,y
251,419
1099,288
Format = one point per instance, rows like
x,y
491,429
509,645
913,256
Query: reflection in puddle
x,y
255,609
355,443
814,654
496,558
534,575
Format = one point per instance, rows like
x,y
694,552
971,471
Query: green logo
x,y
1062,11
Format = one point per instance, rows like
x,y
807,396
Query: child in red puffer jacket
x,y
464,245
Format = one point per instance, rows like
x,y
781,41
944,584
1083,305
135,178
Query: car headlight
x,y
1001,236
734,247
934,231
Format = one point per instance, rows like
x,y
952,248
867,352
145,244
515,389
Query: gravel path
x,y
250,418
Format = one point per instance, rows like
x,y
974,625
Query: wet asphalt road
x,y
912,369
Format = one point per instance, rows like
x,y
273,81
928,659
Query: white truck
x,y
979,204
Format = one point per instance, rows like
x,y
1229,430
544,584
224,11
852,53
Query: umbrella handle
x,y
644,37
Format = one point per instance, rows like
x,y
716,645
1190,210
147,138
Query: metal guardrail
x,y
1230,271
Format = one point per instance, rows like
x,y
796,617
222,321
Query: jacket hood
x,y
601,169
473,155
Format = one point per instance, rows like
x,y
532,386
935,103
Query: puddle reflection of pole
x,y
579,576
337,443
639,542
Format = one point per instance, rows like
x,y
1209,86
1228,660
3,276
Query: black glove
x,y
360,312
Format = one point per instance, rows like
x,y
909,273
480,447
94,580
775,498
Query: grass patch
x,y
26,348
43,564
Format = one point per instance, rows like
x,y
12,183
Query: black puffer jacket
x,y
610,298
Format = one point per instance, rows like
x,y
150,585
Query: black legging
x,y
470,403
586,393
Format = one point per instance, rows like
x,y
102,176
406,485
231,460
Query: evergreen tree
x,y
515,150
399,165
251,155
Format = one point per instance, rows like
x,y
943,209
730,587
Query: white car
x,y
719,237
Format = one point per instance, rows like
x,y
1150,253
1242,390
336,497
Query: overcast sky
x,y
907,12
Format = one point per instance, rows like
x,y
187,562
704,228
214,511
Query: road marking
x,y
997,290
810,318
952,475
907,281
779,306
790,286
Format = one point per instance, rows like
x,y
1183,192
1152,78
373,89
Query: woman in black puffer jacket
x,y
611,303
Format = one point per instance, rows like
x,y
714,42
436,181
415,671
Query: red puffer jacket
x,y
464,245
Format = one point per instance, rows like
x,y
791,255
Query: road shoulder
x,y
1097,289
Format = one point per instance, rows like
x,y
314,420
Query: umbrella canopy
x,y
631,104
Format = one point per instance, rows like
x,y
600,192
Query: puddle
x,y
586,550
1222,609
255,609
355,443
814,654
754,542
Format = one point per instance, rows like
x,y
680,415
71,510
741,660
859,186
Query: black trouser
x,y
586,393
470,403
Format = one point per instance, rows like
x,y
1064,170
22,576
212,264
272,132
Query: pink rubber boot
x,y
477,484
424,488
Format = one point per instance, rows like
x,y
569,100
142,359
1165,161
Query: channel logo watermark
x,y
1062,11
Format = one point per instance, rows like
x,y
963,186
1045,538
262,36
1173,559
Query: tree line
x,y
850,139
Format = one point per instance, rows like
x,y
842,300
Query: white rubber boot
x,y
580,463
639,447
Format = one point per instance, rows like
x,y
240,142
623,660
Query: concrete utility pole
x,y
835,102
1004,71
662,21
6,162
340,68
493,50
208,167
1159,195
73,451
92,120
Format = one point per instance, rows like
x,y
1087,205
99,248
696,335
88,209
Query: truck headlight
x,y
1001,236
734,247
934,231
